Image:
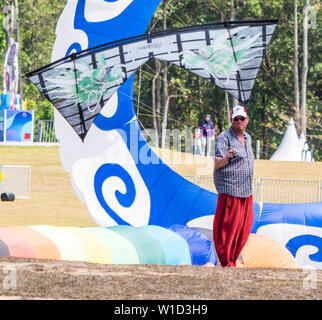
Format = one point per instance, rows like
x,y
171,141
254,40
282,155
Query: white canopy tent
x,y
291,147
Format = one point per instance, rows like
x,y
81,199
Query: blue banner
x,y
1,126
19,126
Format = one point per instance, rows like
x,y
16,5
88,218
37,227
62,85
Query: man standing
x,y
208,132
233,176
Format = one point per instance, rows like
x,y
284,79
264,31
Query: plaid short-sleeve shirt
x,y
236,177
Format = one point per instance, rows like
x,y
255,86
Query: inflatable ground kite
x,y
90,83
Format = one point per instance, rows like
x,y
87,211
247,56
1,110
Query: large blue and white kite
x,y
99,46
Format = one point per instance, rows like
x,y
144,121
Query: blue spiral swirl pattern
x,y
125,199
296,243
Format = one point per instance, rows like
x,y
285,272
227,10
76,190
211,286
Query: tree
x,y
305,64
296,67
232,18
37,21
166,98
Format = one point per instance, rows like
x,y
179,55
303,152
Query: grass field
x,y
53,201
187,164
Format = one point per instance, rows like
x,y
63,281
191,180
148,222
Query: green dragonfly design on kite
x,y
87,85
223,57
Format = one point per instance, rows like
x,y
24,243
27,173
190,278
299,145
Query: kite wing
x,y
229,54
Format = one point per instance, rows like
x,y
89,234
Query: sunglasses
x,y
239,118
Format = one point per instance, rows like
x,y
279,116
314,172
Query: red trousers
x,y
232,225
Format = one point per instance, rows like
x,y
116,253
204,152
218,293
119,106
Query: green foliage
x,y
271,105
37,30
2,45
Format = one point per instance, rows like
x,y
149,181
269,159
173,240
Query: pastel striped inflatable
x,y
44,248
112,245
96,250
69,247
175,248
179,244
18,246
149,249
122,250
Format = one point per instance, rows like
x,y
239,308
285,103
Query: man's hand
x,y
231,152
221,162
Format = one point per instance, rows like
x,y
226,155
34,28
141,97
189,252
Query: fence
x,y
44,131
287,190
15,179
273,190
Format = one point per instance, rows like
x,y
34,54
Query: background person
x,y
197,148
208,132
233,176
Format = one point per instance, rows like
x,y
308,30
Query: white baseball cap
x,y
238,111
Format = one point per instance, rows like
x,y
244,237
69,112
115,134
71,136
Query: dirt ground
x,y
79,280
